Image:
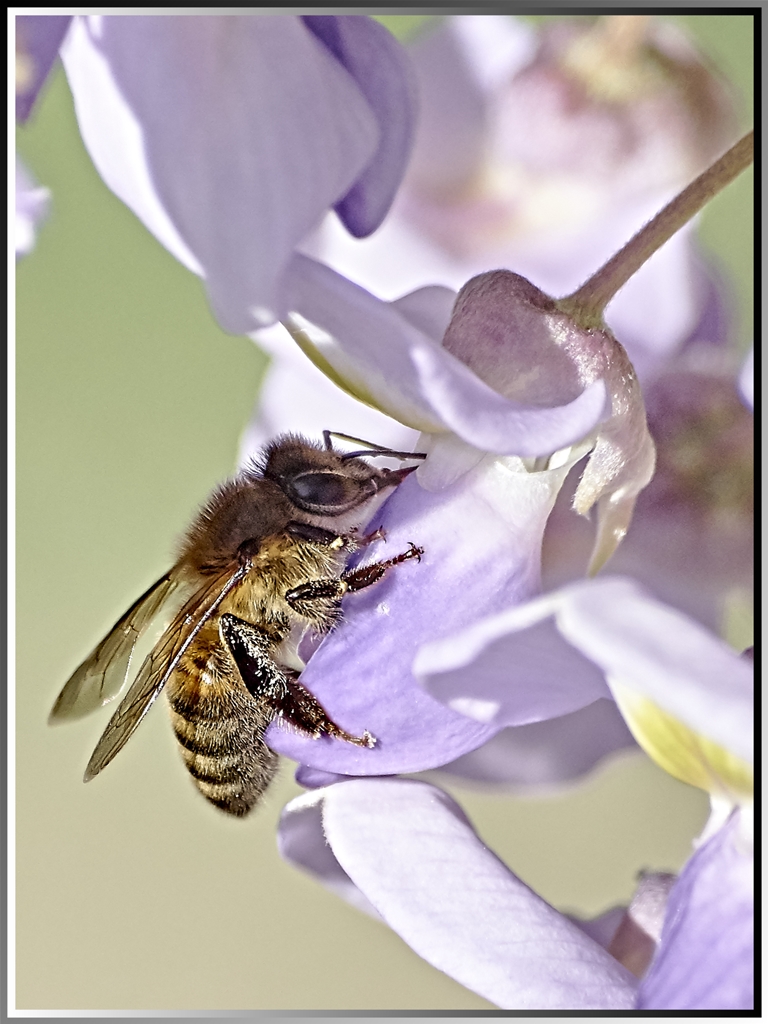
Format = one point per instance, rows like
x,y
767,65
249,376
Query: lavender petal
x,y
380,68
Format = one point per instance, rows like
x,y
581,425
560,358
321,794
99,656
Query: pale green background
x,y
132,892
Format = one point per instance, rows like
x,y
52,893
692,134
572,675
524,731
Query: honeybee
x,y
260,564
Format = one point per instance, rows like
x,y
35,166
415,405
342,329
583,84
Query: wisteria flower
x,y
494,394
542,150
405,851
230,136
531,156
478,515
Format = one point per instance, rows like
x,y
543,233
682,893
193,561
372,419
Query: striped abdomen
x,y
220,727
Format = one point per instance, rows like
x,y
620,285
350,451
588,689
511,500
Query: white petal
x,y
513,668
298,398
664,655
409,848
229,136
377,352
301,842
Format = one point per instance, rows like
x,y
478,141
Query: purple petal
x,y
38,38
228,136
457,63
545,754
410,849
481,539
314,778
626,635
301,842
706,957
381,70
509,669
661,653
378,350
31,206
529,349
713,327
298,397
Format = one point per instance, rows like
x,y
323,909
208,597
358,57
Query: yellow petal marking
x,y
312,353
681,752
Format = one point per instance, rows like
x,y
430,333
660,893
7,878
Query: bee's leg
x,y
251,649
305,713
300,598
363,577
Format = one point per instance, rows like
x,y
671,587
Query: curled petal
x,y
549,753
481,542
706,957
38,38
381,70
301,842
410,849
374,349
495,674
229,136
296,396
530,349
481,417
661,654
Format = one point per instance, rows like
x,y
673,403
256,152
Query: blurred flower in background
x,y
31,207
37,45
542,150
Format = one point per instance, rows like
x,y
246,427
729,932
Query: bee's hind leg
x,y
302,710
250,648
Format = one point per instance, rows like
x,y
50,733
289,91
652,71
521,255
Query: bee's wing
x,y
104,672
159,665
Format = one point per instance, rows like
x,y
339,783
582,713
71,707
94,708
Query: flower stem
x,y
587,303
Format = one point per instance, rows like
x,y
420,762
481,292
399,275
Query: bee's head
x,y
323,481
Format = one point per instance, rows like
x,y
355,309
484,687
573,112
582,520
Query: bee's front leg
x,y
300,598
363,577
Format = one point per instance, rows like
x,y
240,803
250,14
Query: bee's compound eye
x,y
325,490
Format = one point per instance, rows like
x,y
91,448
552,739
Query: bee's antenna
x,y
375,449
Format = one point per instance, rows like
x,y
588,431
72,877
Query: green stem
x,y
587,303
